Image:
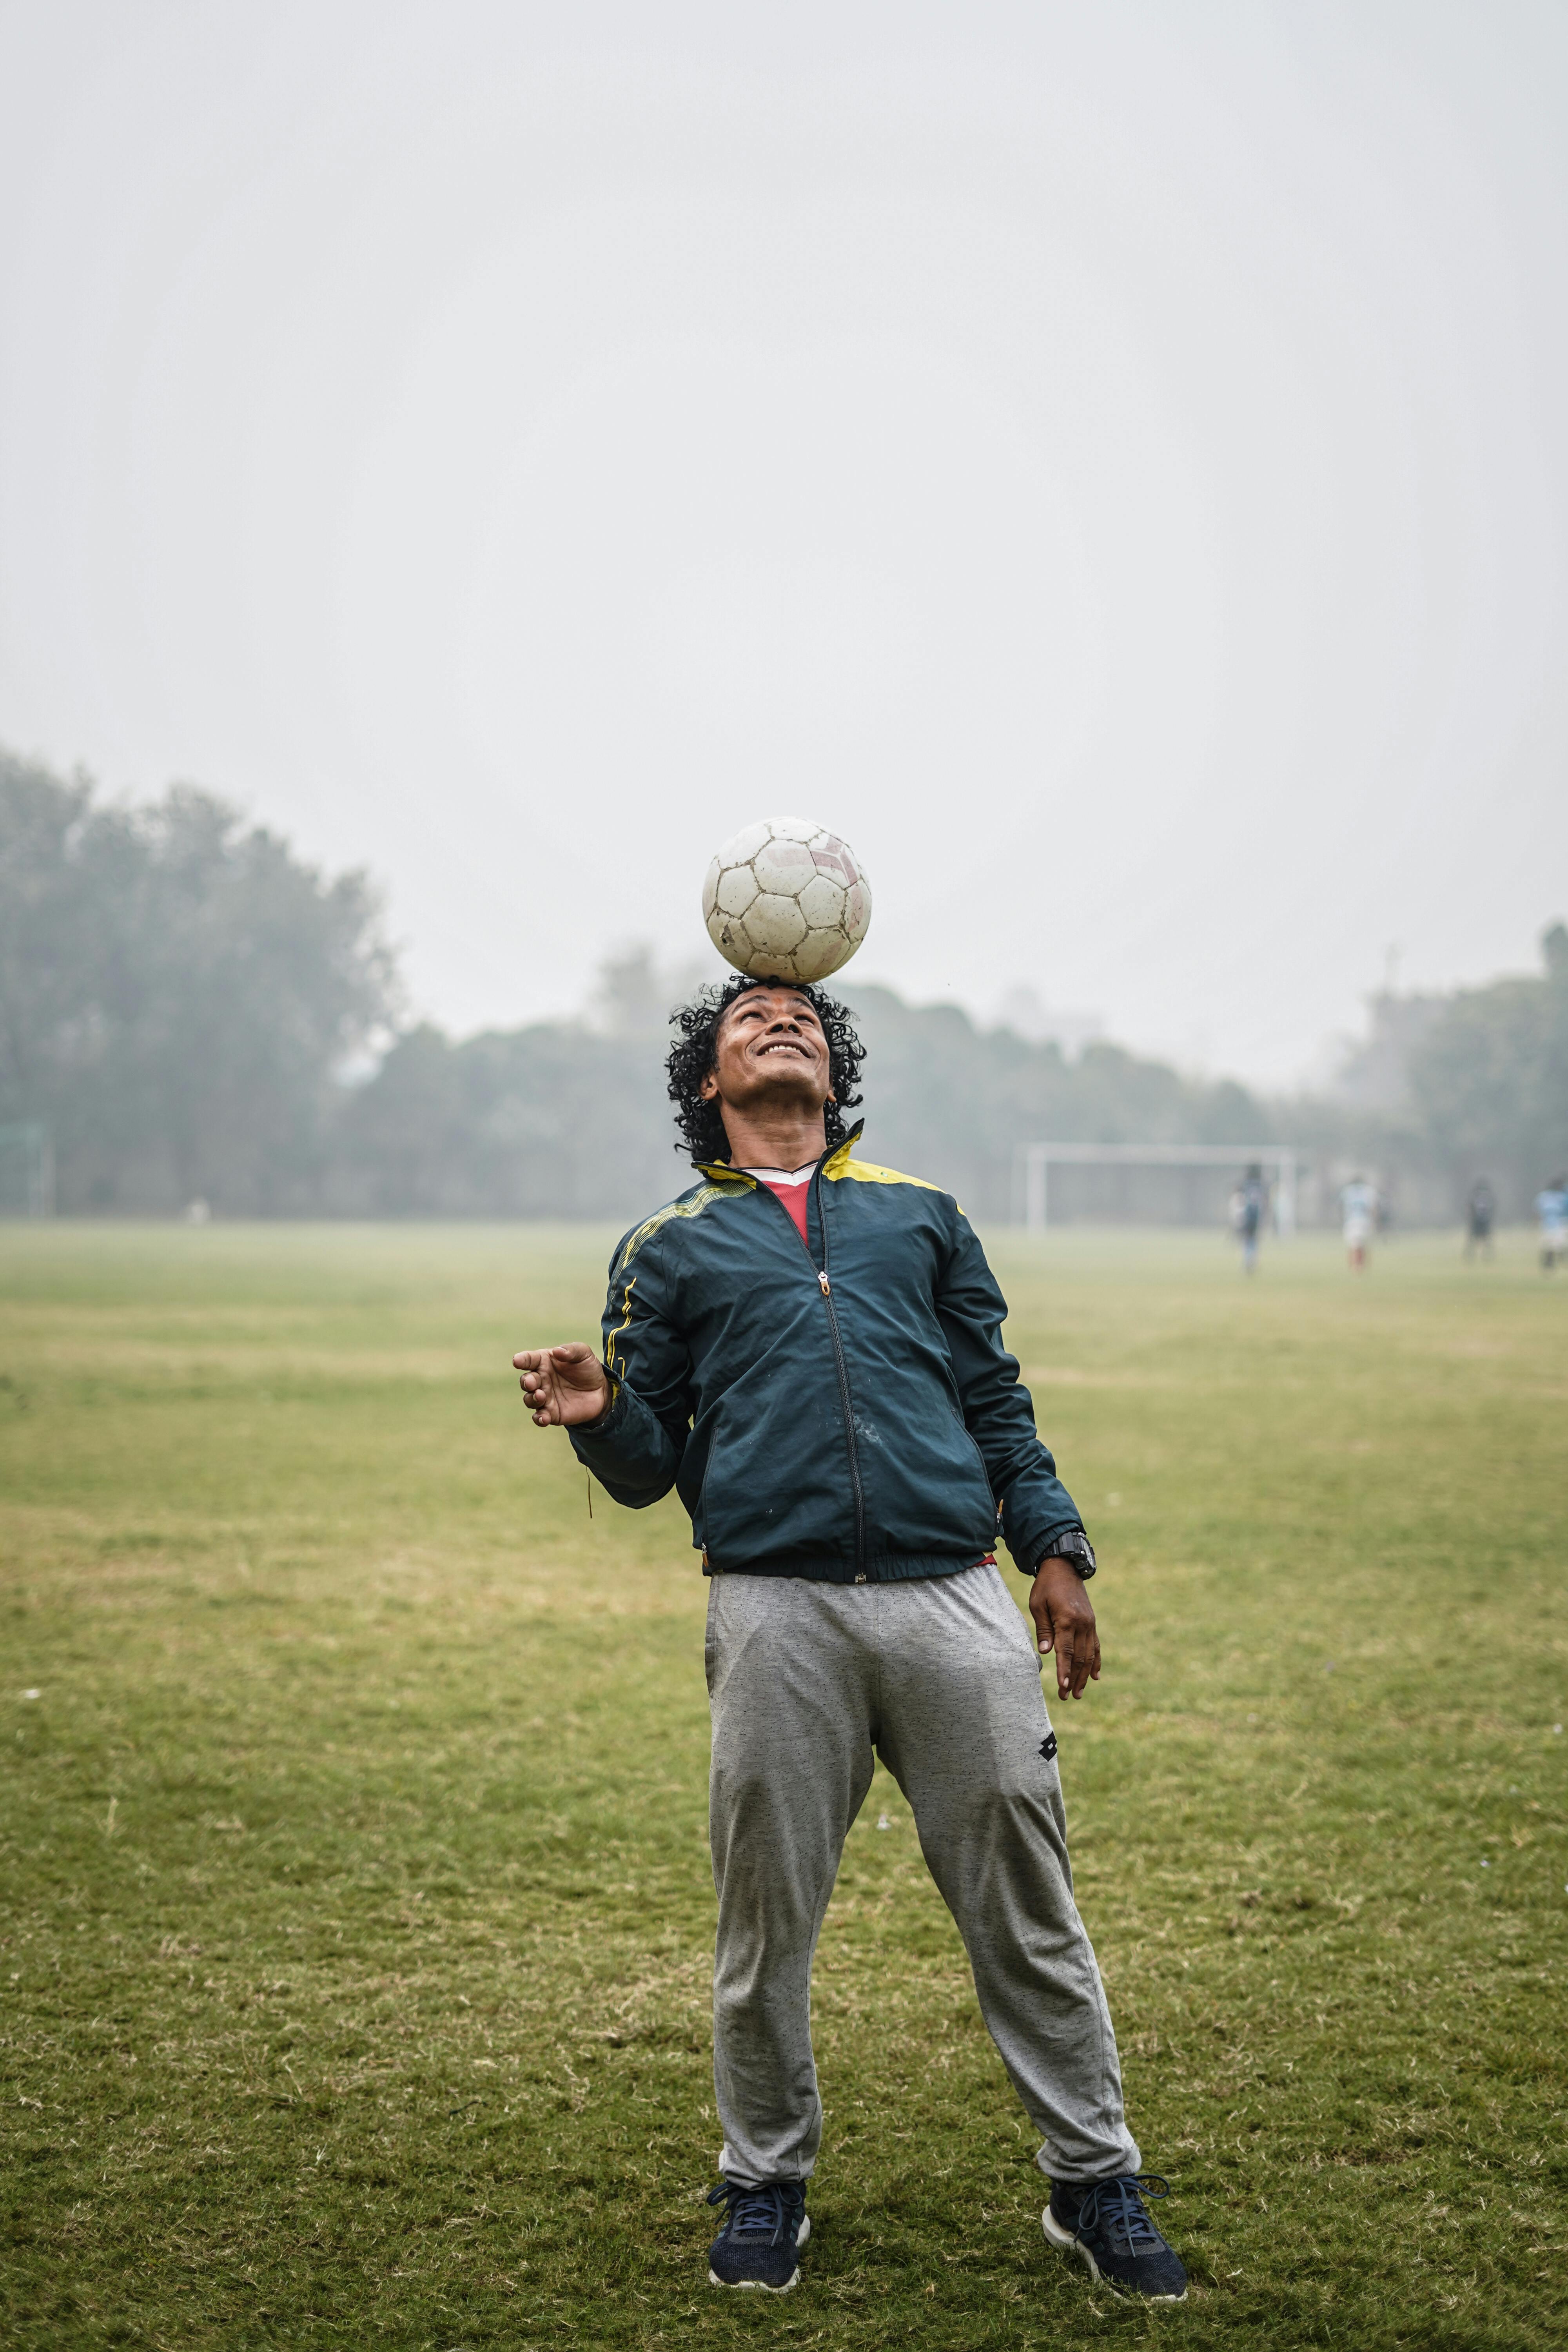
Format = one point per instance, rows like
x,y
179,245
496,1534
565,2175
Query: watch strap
x,y
1076,1549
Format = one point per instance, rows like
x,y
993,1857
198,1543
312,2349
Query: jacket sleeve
x,y
635,1451
998,1410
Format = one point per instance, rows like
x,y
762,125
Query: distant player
x,y
1358,1207
1551,1208
809,1348
1480,1216
1249,1205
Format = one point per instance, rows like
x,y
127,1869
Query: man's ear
x,y
710,1086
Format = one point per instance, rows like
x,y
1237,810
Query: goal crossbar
x,y
1039,1158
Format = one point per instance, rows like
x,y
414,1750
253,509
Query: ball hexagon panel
x,y
831,855
737,889
776,924
783,865
822,903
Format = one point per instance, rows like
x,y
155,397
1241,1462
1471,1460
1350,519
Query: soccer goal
x,y
1037,1160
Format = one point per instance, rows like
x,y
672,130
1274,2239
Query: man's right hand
x,y
562,1387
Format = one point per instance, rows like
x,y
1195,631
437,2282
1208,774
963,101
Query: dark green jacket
x,y
845,1413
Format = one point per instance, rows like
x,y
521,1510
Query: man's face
x,y
770,1047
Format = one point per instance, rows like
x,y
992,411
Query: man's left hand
x,y
1064,1621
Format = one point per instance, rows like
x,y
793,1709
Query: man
x,y
1358,1207
809,1348
1250,1202
1551,1208
1480,1216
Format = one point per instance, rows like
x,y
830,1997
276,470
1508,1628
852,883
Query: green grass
x,y
357,1902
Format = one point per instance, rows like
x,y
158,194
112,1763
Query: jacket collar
x,y
834,1162
831,1164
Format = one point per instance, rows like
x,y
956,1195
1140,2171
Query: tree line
x,y
189,1012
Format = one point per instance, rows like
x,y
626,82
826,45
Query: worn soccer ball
x,y
786,900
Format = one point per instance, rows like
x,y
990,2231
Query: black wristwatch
x,y
1076,1549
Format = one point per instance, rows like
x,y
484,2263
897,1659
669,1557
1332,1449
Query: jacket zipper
x,y
825,1287
859,1491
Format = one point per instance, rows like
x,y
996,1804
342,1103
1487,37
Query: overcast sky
x,y
1109,460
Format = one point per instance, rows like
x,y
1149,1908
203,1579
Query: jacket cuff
x,y
612,1415
1036,1553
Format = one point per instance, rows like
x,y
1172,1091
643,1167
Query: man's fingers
x,y
1066,1646
535,1370
1078,1656
1088,1665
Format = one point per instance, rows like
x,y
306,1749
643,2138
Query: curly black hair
x,y
691,1058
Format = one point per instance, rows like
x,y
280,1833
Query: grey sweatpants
x,y
938,1677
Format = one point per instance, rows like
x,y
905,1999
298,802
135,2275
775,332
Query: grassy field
x,y
352,1828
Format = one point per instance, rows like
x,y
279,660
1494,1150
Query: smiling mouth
x,y
783,1045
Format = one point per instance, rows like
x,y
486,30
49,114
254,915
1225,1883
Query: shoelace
x,y
1117,2206
758,2211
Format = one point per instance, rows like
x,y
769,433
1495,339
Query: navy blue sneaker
x,y
1109,2223
765,2224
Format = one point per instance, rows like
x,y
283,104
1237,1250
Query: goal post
x,y
1039,1159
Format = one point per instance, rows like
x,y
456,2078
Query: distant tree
x,y
177,992
633,993
1490,1080
1374,1075
555,1121
50,941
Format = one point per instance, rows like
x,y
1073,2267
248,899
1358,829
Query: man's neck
x,y
778,1140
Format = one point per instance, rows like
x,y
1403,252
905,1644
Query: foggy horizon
x,y
1111,467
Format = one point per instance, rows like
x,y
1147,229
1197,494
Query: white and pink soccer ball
x,y
786,900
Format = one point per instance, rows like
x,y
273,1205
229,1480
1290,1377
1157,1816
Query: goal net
x,y
1148,1183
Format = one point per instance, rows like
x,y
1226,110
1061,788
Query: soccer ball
x,y
785,899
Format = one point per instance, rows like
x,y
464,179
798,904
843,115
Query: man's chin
x,y
794,1086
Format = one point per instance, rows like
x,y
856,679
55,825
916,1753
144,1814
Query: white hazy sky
x,y
1109,460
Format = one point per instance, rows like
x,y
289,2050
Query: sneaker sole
x,y
801,2235
1066,2244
